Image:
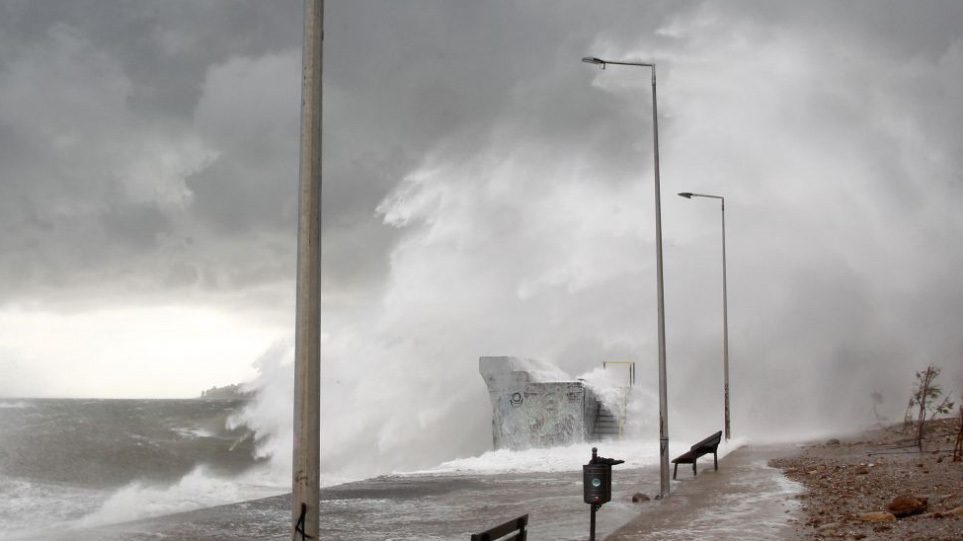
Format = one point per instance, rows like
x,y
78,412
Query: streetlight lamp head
x,y
593,60
687,195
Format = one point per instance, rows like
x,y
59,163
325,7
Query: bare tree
x,y
877,400
925,395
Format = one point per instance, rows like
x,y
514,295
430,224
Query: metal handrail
x,y
605,364
625,396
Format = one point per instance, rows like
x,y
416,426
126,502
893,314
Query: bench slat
x,y
711,441
516,524
687,458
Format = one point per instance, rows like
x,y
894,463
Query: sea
x,y
187,470
75,464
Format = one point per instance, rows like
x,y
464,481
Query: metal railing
x,y
624,406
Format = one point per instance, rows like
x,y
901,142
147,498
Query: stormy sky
x,y
485,193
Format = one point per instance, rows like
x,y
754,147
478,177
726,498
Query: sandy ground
x,y
849,484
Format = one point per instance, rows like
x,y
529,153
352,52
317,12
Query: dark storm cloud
x,y
164,48
402,80
104,158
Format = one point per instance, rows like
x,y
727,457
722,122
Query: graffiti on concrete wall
x,y
530,412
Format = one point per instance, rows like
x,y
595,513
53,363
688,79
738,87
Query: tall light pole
x,y
725,304
306,470
663,403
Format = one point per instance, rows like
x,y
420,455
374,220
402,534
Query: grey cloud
x,y
165,48
138,225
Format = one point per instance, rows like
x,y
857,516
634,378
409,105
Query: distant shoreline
x,y
228,392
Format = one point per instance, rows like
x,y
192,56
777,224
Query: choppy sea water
x,y
170,469
66,464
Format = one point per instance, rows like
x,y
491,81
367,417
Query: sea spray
x,y
347,454
636,404
609,387
269,413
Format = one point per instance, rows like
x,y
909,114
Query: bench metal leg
x,y
715,460
694,472
676,470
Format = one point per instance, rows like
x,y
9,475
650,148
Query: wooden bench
x,y
515,526
704,447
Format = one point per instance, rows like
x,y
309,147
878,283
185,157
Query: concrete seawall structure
x,y
534,404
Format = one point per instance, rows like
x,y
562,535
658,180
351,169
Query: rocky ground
x,y
852,484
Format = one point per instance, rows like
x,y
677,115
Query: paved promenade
x,y
745,499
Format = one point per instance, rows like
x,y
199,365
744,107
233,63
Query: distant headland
x,y
228,392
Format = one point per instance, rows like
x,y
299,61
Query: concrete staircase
x,y
606,425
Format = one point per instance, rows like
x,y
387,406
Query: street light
x,y
725,309
663,409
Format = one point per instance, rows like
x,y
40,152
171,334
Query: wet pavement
x,y
744,499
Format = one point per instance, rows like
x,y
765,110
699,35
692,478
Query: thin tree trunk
x,y
958,450
921,419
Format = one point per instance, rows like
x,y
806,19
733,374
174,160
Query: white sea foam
x,y
196,490
193,432
15,405
20,500
635,453
554,459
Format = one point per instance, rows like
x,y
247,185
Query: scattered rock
x,y
639,497
862,470
832,441
906,505
957,511
829,526
877,516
